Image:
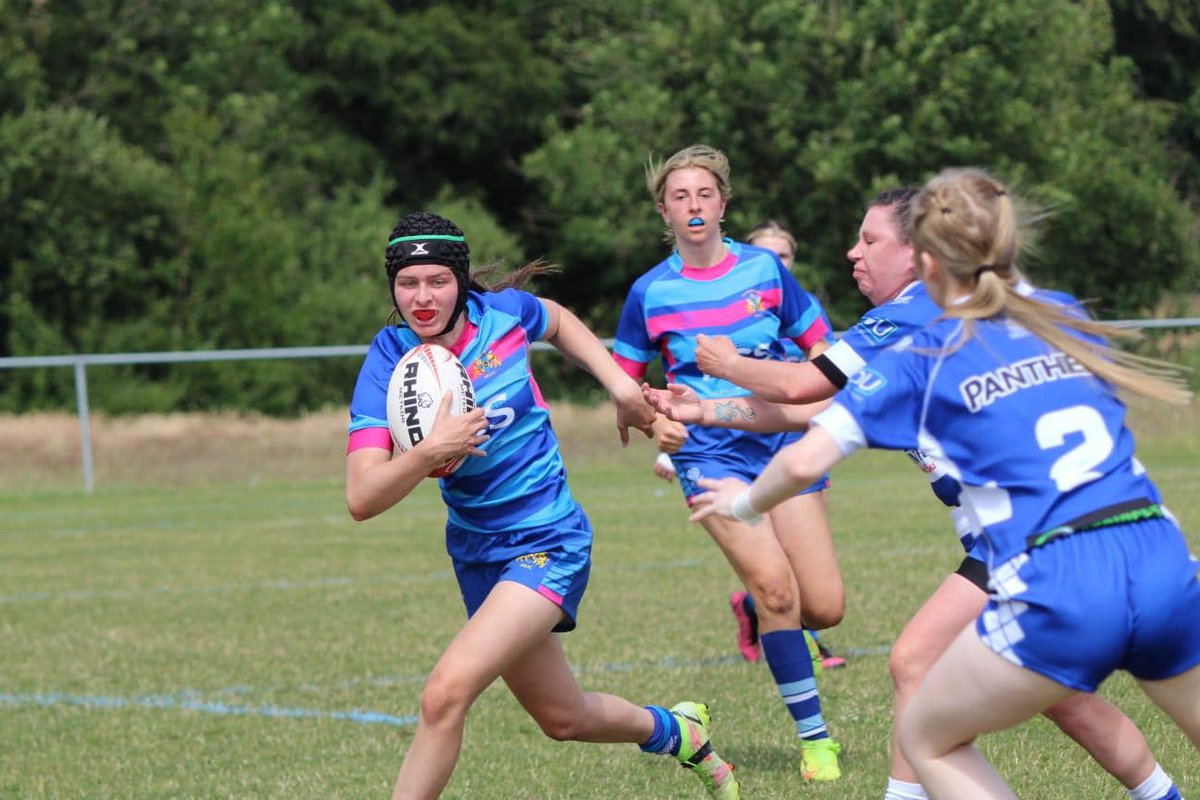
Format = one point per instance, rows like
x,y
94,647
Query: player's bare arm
x,y
776,381
749,413
576,341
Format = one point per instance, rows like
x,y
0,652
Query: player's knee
x,y
562,724
444,700
776,599
824,612
1070,714
1089,719
908,663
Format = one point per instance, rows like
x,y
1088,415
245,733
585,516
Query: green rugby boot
x,y
696,752
819,760
814,652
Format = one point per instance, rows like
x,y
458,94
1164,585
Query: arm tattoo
x,y
730,410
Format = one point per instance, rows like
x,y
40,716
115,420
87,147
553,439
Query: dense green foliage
x,y
222,174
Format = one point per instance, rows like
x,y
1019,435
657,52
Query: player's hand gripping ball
x,y
421,378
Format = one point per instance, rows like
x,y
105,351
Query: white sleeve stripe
x,y
842,356
841,425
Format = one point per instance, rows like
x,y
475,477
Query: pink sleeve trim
x,y
634,369
817,332
369,437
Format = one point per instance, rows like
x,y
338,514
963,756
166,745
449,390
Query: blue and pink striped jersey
x,y
749,297
522,482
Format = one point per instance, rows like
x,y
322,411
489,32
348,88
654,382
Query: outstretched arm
x,y
776,381
575,340
792,468
750,413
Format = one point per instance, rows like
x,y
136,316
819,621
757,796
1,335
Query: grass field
x,y
211,624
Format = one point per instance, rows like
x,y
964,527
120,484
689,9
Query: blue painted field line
x,y
188,699
279,585
283,585
170,702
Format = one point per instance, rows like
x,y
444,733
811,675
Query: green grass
x,y
202,641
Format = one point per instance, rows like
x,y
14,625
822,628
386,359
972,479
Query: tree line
x,y
223,174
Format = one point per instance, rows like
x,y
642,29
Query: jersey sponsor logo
x,y
754,302
980,391
485,363
498,416
877,329
533,560
867,382
758,351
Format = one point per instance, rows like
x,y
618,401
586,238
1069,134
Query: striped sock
x,y
792,668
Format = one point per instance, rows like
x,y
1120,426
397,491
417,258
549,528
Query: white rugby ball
x,y
422,376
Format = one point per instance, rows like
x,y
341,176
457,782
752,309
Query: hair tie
x,y
984,268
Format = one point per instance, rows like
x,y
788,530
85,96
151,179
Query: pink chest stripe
x,y
708,319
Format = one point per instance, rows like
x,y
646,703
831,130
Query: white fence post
x,y
85,426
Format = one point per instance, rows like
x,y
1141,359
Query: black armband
x,y
830,371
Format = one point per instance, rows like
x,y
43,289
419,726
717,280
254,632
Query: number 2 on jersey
x,y
1076,466
992,504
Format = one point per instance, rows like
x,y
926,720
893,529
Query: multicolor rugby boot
x,y
696,752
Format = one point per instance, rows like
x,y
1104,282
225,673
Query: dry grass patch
x,y
43,450
39,451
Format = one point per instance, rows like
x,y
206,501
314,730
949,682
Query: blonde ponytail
x,y
970,224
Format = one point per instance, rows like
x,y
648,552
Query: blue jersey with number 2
x,y
1035,440
1039,445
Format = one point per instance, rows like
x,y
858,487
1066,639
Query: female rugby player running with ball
x,y
520,544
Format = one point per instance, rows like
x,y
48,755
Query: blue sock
x,y
792,667
666,737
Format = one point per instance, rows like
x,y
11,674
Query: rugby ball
x,y
420,379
